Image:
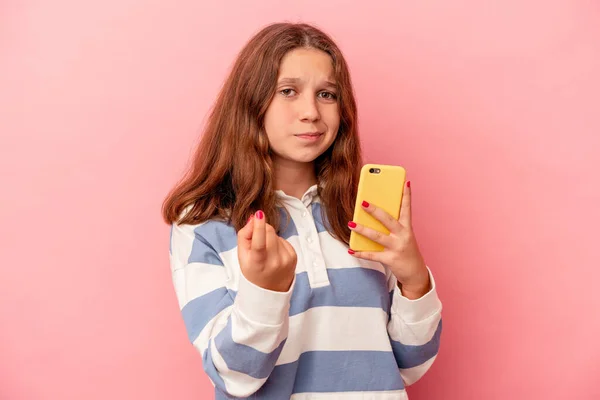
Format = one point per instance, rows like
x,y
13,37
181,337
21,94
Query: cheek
x,y
330,112
277,117
277,125
332,118
331,139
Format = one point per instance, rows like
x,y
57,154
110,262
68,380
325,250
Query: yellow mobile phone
x,y
383,186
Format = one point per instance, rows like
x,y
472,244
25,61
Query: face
x,y
303,118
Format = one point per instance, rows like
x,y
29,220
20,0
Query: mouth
x,y
309,135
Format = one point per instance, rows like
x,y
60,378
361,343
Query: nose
x,y
309,109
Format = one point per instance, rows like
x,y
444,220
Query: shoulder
x,y
203,241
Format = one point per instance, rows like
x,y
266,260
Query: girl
x,y
270,294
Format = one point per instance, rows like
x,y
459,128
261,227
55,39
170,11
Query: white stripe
x,y
384,395
295,242
336,255
178,277
335,328
413,334
182,241
212,329
264,338
230,259
411,375
201,278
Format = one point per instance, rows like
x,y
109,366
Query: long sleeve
x,y
415,328
238,327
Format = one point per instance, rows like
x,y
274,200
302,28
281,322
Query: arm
x,y
240,331
414,328
415,325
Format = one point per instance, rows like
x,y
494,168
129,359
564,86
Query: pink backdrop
x,y
493,108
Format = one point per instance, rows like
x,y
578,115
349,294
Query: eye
x,y
328,95
287,92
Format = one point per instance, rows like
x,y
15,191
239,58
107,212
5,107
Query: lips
x,y
309,134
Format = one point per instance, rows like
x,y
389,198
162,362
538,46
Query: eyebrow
x,y
328,82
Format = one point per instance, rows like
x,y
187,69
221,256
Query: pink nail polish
x,y
350,251
408,184
260,214
365,204
352,224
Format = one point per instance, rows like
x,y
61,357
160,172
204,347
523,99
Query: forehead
x,y
307,64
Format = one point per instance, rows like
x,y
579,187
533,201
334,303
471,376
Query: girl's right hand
x,y
265,259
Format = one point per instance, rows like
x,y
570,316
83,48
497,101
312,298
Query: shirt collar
x,y
307,198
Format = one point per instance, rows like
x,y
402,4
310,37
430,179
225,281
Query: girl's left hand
x,y
401,253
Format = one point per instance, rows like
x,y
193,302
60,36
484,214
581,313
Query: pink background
x,y
493,108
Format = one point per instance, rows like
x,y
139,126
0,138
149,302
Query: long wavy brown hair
x,y
231,175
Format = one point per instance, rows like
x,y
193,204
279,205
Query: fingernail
x,y
350,251
260,214
352,224
365,204
408,184
249,218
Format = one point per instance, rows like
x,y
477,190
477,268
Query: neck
x,y
294,178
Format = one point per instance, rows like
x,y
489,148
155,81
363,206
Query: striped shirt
x,y
342,331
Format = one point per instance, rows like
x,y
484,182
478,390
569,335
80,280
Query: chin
x,y
310,157
301,155
303,160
